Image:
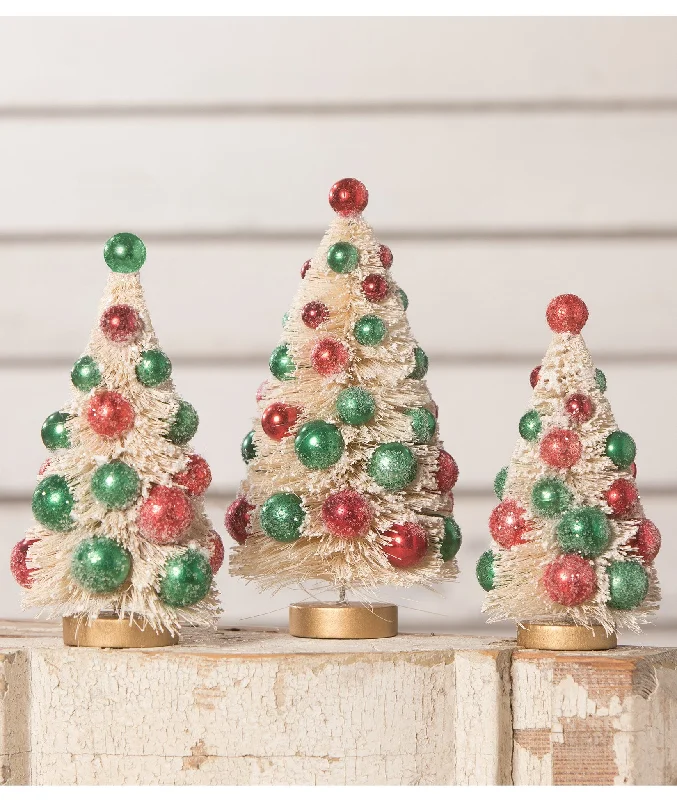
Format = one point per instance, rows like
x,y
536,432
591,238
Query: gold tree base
x,y
109,630
563,636
318,620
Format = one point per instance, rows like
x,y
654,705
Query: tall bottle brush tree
x,y
347,482
571,541
120,517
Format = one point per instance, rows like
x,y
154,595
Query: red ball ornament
x,y
197,476
305,268
533,377
216,551
314,314
375,288
346,514
447,472
579,407
23,575
261,391
237,519
621,496
165,515
633,469
385,255
120,324
566,313
44,466
406,544
348,197
561,448
646,541
329,356
507,524
109,414
277,420
570,580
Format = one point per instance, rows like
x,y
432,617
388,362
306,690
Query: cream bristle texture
x,y
155,460
360,563
518,592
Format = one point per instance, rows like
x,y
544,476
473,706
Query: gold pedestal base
x,y
342,620
109,630
563,636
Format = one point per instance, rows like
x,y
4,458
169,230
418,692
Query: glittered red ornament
x,y
109,414
385,255
237,519
579,407
261,391
44,466
507,524
406,544
621,496
561,448
346,514
566,313
447,472
314,314
23,575
165,515
197,476
533,378
375,288
216,551
329,356
646,541
277,420
633,469
120,324
348,197
570,580
305,268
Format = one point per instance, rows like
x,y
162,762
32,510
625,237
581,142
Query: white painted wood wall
x,y
508,160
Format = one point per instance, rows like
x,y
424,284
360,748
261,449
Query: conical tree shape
x,y
347,480
571,542
120,518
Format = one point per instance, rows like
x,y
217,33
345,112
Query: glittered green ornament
x,y
355,406
100,565
451,543
393,466
628,584
621,448
421,365
281,364
550,497
124,252
319,444
600,380
184,425
115,484
403,298
285,318
485,570
53,503
187,579
248,447
343,257
499,482
54,432
423,424
282,516
530,425
85,374
584,531
370,330
153,368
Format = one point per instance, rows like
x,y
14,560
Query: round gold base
x,y
563,636
342,620
109,630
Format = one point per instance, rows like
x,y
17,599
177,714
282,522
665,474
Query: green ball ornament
x,y
530,425
403,298
550,497
153,368
100,565
187,579
53,503
370,330
54,432
282,516
115,484
343,257
485,570
628,584
184,424
85,374
421,365
600,380
285,318
584,531
621,448
355,406
423,424
451,543
393,466
281,364
319,444
248,448
124,253
499,482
